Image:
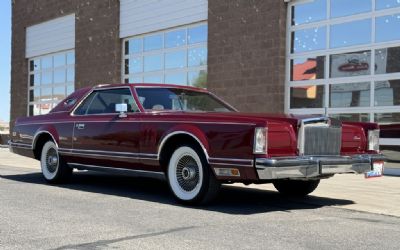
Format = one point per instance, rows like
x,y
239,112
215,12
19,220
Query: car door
x,y
101,137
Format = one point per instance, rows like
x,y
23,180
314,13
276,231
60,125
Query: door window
x,y
104,101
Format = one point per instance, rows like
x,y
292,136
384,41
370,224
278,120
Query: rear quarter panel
x,y
27,130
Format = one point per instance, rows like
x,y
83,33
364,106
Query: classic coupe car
x,y
193,139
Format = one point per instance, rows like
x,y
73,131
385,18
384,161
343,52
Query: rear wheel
x,y
296,187
54,169
190,177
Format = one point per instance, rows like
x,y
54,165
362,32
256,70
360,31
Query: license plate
x,y
377,170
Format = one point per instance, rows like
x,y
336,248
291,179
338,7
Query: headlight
x,y
260,141
373,140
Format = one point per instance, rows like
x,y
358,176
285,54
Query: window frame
x,y
96,90
163,51
213,96
53,85
372,78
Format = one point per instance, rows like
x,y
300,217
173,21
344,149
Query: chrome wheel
x,y
187,173
52,160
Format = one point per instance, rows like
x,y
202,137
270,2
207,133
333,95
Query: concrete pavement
x,y
97,211
376,195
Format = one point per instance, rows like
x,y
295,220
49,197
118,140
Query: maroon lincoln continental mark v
x,y
192,139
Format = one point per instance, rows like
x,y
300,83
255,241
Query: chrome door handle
x,y
80,125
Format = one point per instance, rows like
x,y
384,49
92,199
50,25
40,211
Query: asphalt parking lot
x,y
97,211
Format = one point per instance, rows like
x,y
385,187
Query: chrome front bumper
x,y
314,166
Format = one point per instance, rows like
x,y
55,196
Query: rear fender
x,y
47,129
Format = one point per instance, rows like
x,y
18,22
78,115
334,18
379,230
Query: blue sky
x,y
5,59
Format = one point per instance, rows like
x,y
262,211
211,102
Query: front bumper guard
x,y
314,166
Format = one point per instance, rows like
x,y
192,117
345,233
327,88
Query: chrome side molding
x,y
120,171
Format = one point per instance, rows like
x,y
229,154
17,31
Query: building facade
x,y
298,56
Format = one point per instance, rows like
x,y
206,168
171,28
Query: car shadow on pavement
x,y
231,199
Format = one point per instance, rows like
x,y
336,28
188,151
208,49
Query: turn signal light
x,y
227,172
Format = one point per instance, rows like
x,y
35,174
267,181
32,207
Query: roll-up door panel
x,y
51,36
139,17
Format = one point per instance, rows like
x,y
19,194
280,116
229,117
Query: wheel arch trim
x,y
170,135
37,136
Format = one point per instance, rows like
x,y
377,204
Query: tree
x,y
201,80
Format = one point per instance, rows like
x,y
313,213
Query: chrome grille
x,y
320,137
321,140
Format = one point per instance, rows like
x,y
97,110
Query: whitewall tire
x,y
53,167
189,176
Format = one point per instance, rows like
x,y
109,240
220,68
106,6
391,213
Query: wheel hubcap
x,y
52,160
187,173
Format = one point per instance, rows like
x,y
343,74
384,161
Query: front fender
x,y
190,130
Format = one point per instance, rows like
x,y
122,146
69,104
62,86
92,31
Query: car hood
x,y
255,118
239,117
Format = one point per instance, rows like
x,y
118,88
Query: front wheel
x,y
54,169
296,187
189,176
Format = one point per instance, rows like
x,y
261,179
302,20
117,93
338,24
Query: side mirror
x,y
122,108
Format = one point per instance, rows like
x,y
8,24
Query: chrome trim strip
x,y
313,119
142,121
108,152
143,85
144,157
149,155
42,123
36,136
197,122
58,112
223,101
231,159
132,172
138,157
229,164
20,145
96,155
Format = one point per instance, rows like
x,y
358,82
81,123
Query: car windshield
x,y
180,99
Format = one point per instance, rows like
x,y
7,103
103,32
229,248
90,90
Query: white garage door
x,y
51,36
139,17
